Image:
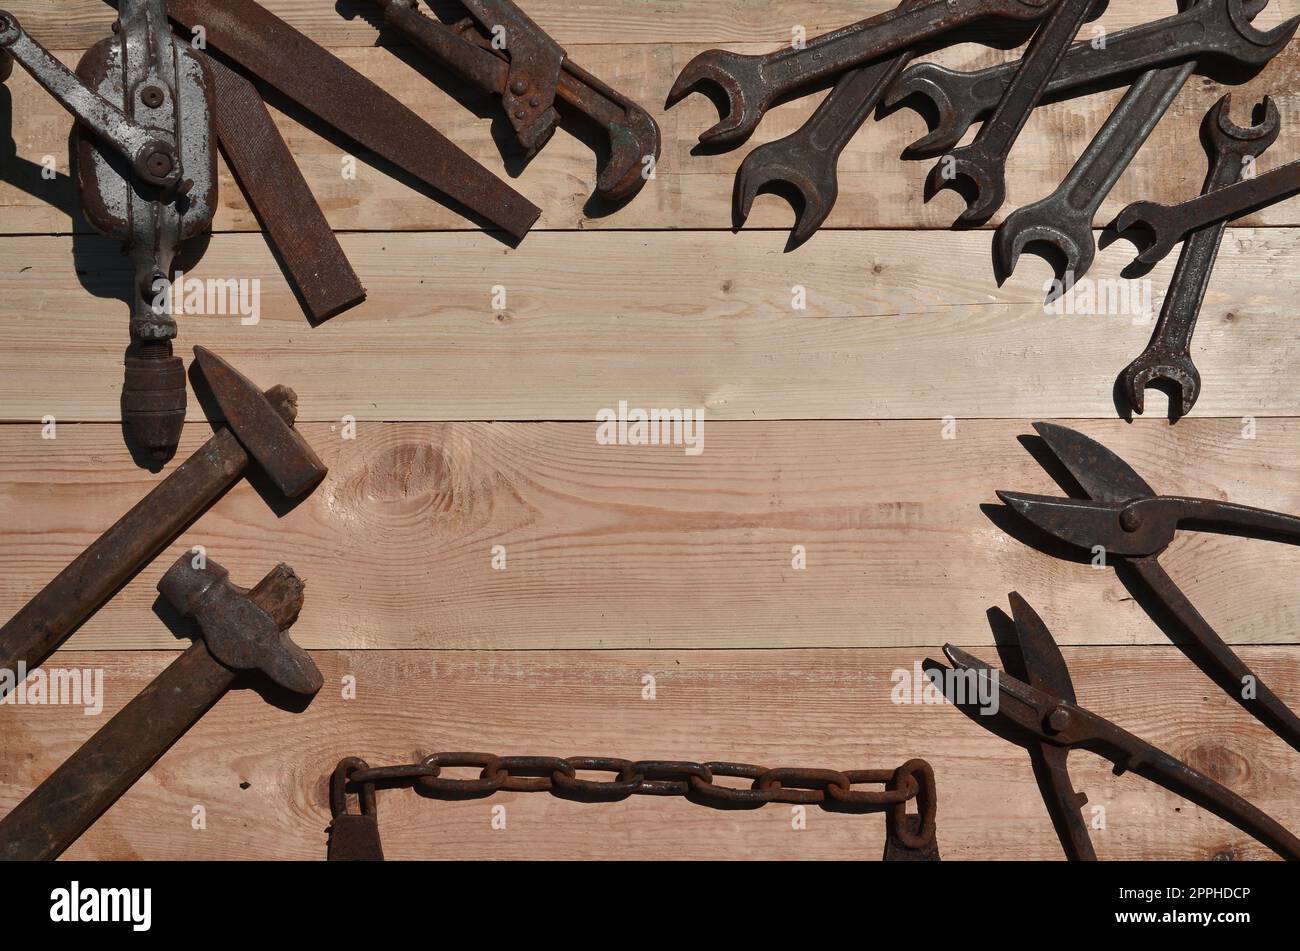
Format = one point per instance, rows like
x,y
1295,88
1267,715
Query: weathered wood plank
x,y
78,23
260,773
877,190
646,547
700,320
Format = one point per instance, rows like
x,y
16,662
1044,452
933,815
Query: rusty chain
x,y
831,790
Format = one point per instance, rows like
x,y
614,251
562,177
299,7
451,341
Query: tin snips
x,y
1123,519
1043,716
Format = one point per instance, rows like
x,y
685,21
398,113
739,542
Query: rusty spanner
x,y
1213,28
1168,356
984,162
1064,219
807,160
753,84
1169,225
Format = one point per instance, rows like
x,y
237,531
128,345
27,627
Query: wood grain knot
x,y
417,486
1219,763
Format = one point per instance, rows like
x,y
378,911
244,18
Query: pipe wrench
x,y
503,52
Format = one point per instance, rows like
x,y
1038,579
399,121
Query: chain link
x,y
829,789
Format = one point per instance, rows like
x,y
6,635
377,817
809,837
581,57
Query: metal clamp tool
x,y
146,98
1045,712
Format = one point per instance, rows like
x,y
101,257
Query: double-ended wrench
x,y
752,84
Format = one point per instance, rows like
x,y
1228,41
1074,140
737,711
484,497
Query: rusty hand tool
x,y
280,197
1168,356
1213,28
1064,219
1169,225
355,837
242,631
1053,720
319,82
807,160
528,75
1123,517
752,84
983,163
143,96
259,427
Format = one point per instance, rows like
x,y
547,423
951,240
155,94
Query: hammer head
x,y
245,630
264,428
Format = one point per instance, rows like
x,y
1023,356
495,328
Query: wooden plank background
x,y
826,428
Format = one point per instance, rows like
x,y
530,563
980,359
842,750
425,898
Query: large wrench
x,y
1064,219
984,162
1168,356
1217,28
529,79
1169,225
753,83
807,160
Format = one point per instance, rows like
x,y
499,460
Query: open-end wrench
x,y
807,160
1168,356
1169,225
1064,219
984,162
1213,28
753,83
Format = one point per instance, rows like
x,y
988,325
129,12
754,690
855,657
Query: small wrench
x,y
1218,28
1065,218
753,83
1169,225
1168,356
807,160
984,161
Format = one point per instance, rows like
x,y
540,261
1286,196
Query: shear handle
x,y
1222,517
1065,804
1222,664
1082,729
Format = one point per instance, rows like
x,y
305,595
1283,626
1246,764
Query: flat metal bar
x,y
327,87
281,199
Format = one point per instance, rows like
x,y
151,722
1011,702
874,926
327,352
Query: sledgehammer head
x,y
245,630
264,428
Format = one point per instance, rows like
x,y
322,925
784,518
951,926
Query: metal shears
x,y
1124,518
1043,716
